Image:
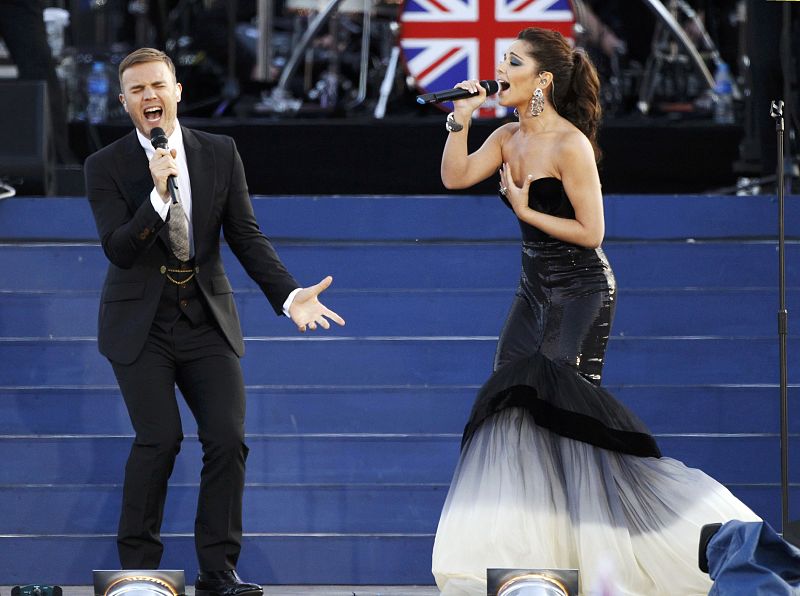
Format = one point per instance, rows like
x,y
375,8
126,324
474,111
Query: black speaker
x,y
27,159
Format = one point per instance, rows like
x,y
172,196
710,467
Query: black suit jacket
x,y
135,239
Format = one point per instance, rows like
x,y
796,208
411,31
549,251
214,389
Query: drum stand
x,y
280,101
612,92
230,88
388,82
750,146
366,31
668,31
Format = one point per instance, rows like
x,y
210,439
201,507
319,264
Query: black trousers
x,y
197,359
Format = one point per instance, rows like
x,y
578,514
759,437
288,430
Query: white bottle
x,y
97,85
723,89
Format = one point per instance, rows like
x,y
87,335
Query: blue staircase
x,y
354,432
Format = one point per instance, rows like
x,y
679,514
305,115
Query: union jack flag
x,y
447,41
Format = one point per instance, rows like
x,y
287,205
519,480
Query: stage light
x,y
143,582
532,582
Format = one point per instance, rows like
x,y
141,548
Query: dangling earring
x,y
537,103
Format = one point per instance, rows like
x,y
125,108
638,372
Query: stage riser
x,y
335,509
407,410
644,217
444,266
363,458
351,458
734,312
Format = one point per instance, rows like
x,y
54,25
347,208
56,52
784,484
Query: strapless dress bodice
x,y
545,195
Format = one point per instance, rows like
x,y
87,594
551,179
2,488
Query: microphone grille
x,y
158,137
491,87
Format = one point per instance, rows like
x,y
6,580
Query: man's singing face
x,y
150,95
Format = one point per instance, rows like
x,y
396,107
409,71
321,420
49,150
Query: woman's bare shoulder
x,y
506,130
572,142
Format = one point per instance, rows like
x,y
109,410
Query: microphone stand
x,y
790,531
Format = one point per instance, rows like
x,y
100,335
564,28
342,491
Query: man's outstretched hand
x,y
307,311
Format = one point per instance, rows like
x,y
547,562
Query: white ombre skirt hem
x,y
525,497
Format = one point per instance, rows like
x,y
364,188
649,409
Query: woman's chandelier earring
x,y
537,103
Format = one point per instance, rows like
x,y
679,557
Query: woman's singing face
x,y
518,75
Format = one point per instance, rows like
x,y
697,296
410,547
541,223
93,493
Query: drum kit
x,y
427,45
353,56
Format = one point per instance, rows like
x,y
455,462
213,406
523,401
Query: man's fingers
x,y
333,316
323,285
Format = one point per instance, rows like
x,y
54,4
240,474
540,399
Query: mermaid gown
x,y
554,471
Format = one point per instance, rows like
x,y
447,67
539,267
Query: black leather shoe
x,y
224,583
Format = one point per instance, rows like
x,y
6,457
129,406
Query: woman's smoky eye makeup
x,y
514,61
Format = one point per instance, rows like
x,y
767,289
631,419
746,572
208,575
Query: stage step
x,y
390,409
443,266
416,360
352,558
351,458
692,311
268,509
436,217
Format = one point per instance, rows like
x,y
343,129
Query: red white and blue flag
x,y
447,41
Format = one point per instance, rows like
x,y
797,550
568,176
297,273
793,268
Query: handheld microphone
x,y
491,87
159,140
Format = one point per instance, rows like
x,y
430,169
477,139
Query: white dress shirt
x,y
184,186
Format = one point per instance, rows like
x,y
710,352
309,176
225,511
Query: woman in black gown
x,y
554,471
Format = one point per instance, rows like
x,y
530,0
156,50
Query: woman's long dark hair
x,y
575,91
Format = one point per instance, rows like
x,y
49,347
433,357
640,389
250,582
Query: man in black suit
x,y
167,314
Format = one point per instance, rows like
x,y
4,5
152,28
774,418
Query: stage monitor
x,y
532,582
27,159
139,582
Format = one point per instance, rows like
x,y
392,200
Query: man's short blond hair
x,y
145,55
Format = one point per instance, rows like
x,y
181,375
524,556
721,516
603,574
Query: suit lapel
x,y
200,161
134,173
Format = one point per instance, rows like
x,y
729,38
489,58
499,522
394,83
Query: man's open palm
x,y
307,311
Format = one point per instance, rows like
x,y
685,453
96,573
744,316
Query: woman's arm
x,y
578,173
460,169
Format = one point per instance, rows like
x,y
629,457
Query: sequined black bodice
x,y
546,195
550,354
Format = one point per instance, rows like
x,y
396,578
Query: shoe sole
x,y
215,593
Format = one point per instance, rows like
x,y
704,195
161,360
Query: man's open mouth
x,y
153,114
